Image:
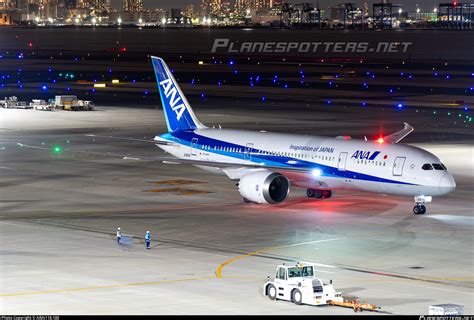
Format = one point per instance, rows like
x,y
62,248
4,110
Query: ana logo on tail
x,y
171,91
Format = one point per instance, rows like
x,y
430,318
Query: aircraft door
x,y
398,166
341,163
248,150
194,143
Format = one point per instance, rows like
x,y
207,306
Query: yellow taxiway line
x,y
124,285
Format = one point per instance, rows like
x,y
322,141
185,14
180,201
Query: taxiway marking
x,y
103,287
223,264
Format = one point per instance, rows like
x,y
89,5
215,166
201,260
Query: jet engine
x,y
264,187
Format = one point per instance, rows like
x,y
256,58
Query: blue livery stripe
x,y
185,138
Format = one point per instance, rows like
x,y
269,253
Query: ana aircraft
x,y
266,164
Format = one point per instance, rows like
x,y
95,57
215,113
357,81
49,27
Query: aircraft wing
x,y
172,160
399,135
160,142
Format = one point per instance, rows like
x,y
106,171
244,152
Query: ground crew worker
x,y
148,239
119,235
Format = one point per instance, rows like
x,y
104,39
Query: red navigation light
x,y
380,140
123,49
455,3
30,44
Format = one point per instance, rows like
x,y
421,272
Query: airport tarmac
x,y
211,253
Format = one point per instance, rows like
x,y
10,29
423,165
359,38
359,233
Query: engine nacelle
x,y
264,187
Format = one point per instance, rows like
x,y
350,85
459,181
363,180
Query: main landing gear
x,y
318,194
420,208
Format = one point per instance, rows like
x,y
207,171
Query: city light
x,y
163,21
94,21
119,20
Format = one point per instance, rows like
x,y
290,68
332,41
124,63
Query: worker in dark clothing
x,y
148,239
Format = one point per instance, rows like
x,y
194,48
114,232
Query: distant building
x,y
188,11
130,17
175,16
8,5
253,5
6,19
71,4
132,5
50,9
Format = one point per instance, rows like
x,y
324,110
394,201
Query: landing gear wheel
x,y
247,200
297,297
423,209
272,292
419,209
310,193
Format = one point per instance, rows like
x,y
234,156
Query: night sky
x,y
425,5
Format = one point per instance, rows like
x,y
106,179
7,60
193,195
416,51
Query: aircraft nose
x,y
447,183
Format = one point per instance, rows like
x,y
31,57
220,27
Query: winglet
x,y
399,135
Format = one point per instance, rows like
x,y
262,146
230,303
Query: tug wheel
x,y
272,292
297,297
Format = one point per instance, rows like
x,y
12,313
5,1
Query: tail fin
x,y
178,113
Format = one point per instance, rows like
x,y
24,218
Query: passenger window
x,y
437,166
427,166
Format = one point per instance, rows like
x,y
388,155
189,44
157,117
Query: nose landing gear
x,y
420,204
419,209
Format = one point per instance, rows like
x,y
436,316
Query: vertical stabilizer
x,y
178,113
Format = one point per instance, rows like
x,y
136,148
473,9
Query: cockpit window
x,y
444,167
427,166
437,166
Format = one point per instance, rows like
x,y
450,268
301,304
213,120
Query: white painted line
x,y
309,242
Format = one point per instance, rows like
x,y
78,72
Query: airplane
x,y
267,164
